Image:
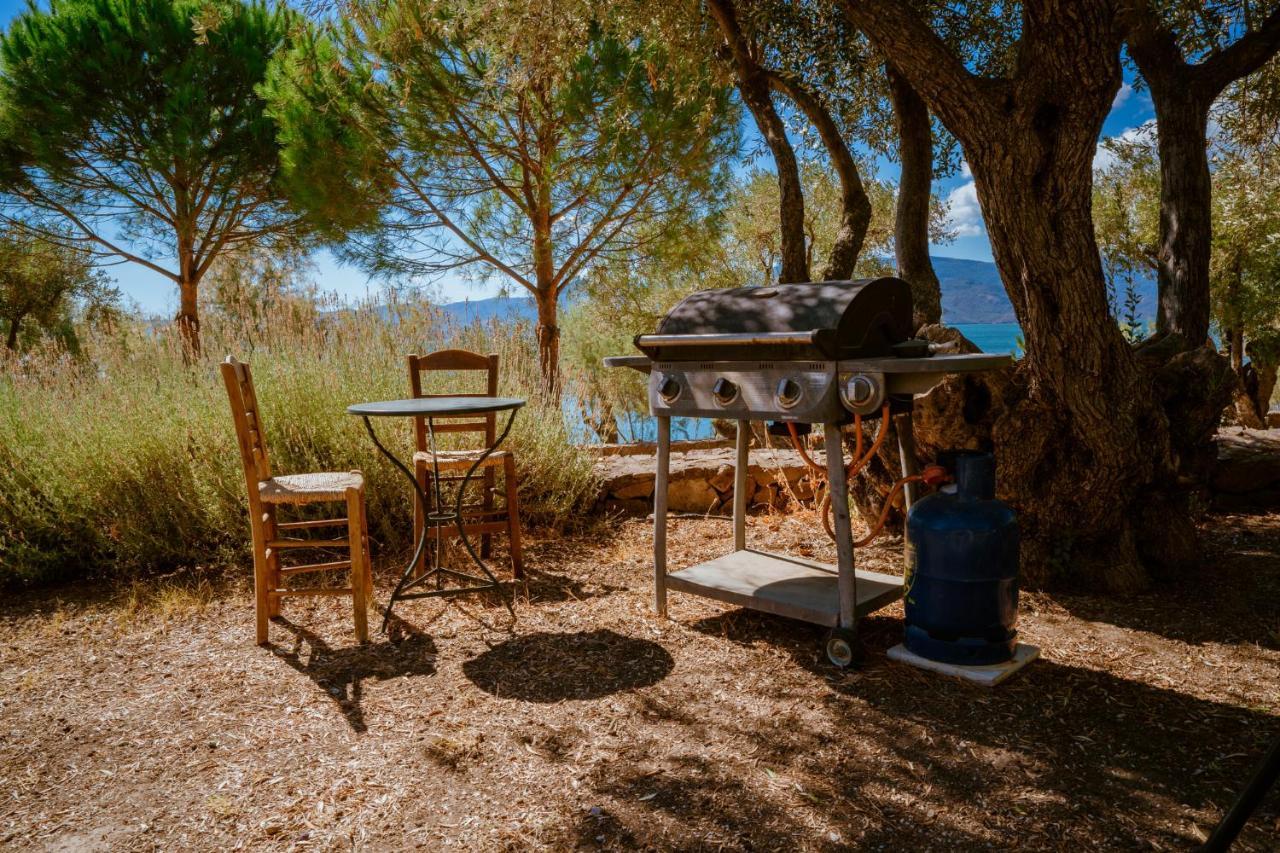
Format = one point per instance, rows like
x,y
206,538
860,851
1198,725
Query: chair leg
x,y
359,598
513,514
261,575
270,531
368,552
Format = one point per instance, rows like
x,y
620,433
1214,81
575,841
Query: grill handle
x,y
729,339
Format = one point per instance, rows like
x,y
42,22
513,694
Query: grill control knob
x,y
669,389
860,390
789,393
724,391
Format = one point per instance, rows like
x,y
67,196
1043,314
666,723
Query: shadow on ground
x,y
546,667
341,673
1096,749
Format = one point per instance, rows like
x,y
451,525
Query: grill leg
x,y
741,468
848,582
660,517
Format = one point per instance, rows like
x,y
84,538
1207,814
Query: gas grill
x,y
793,355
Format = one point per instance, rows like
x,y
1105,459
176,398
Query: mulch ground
x,y
589,723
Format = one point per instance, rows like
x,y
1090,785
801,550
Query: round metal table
x,y
431,408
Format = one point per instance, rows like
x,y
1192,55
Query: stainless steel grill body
x,y
808,353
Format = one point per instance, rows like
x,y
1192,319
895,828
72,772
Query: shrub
x,y
124,462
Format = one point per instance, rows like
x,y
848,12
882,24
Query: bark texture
x,y
1183,93
855,207
188,318
915,189
1083,439
754,86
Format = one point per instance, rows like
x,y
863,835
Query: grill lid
x,y
818,320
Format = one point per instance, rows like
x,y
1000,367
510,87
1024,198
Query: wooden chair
x,y
484,519
272,537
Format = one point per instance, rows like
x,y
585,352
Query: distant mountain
x,y
971,293
511,308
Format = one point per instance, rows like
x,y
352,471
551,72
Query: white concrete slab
x,y
987,676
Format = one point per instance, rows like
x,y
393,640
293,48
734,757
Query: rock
x,y
722,480
702,478
692,495
1273,420
639,487
1248,461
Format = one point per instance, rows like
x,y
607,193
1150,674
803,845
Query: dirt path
x,y
597,726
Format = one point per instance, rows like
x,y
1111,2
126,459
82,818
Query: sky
x,y
151,293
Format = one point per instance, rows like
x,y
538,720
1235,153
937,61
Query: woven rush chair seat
x,y
460,460
319,487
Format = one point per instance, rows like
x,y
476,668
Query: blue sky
x,y
155,294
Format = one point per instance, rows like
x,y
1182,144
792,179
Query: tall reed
x,y
124,462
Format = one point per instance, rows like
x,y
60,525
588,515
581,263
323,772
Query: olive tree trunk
x,y
754,87
915,192
1182,93
1082,439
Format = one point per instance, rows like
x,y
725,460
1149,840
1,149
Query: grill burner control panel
x,y
792,391
802,391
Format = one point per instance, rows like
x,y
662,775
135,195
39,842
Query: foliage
x,y
126,464
44,284
135,124
739,248
509,140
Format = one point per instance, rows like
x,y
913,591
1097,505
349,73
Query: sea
x,y
635,427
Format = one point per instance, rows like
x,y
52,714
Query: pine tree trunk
x,y
188,319
915,189
548,333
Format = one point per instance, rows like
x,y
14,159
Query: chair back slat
x,y
244,412
460,361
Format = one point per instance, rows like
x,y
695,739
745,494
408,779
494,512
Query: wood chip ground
x,y
136,720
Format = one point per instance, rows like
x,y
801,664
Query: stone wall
x,y
702,478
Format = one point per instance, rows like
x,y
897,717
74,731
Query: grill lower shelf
x,y
785,586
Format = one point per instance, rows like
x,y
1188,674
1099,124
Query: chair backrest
x,y
456,360
249,432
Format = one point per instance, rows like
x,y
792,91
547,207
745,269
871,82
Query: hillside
x,y
971,293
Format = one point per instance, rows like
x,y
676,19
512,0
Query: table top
x,y
435,407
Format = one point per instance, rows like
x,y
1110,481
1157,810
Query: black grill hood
x,y
819,320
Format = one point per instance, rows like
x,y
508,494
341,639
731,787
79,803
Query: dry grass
x,y
590,724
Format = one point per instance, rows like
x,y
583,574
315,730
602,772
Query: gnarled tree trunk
x,y
915,190
1182,93
1083,440
754,87
855,207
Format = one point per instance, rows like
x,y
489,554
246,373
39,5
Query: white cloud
x,y
1123,95
965,171
964,214
1103,159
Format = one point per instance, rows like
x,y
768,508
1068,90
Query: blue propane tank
x,y
962,568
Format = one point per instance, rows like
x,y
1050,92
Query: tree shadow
x,y
1085,753
546,667
1233,597
341,673
548,588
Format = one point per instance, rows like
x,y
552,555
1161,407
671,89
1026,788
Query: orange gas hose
x,y
859,462
888,505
